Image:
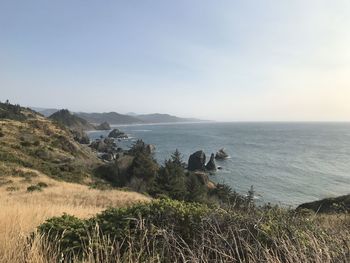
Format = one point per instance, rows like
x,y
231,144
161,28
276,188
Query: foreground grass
x,y
21,212
174,231
164,231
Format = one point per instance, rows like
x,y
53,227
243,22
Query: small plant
x,y
34,188
4,182
12,188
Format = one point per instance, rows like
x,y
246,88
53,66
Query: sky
x,y
220,60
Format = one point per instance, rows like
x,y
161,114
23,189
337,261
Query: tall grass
x,y
270,235
21,212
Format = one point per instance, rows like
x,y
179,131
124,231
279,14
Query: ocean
x,y
287,163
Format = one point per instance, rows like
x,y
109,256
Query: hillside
x,y
71,121
32,144
329,205
110,117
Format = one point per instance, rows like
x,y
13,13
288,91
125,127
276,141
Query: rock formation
x,y
117,134
211,166
150,148
221,154
104,126
197,161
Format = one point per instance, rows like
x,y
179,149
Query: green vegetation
x,y
11,112
34,188
31,144
339,204
143,174
170,231
38,187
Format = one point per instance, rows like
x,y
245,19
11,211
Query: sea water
x,y
287,163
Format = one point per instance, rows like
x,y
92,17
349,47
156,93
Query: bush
x,y
12,188
33,188
71,234
68,233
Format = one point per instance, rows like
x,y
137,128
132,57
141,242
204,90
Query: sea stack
x,y
104,126
117,134
221,154
197,161
211,166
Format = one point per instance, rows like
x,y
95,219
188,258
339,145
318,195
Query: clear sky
x,y
223,60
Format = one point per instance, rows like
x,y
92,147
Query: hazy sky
x,y
223,60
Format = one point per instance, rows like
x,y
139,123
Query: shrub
x,y
68,233
33,188
71,234
12,188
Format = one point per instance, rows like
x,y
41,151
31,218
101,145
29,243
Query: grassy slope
x,y
41,145
34,149
21,212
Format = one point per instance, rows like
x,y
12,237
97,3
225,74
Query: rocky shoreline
x,y
107,149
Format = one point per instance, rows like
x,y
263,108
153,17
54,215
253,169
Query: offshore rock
x,y
221,154
211,166
197,161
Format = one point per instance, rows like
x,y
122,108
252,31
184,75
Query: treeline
x,y
139,171
11,111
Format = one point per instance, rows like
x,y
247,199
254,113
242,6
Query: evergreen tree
x,y
196,191
170,180
144,167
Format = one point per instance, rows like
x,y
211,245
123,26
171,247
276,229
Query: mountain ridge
x,y
115,118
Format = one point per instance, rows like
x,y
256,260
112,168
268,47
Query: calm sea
x,y
287,163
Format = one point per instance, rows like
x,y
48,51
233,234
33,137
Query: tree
x,y
144,166
171,179
196,190
176,158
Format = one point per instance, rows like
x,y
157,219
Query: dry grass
x,y
21,212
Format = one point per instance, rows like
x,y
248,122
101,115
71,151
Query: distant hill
x,y
163,118
44,111
115,118
110,117
71,121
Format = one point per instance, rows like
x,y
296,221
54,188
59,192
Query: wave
x,y
141,130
